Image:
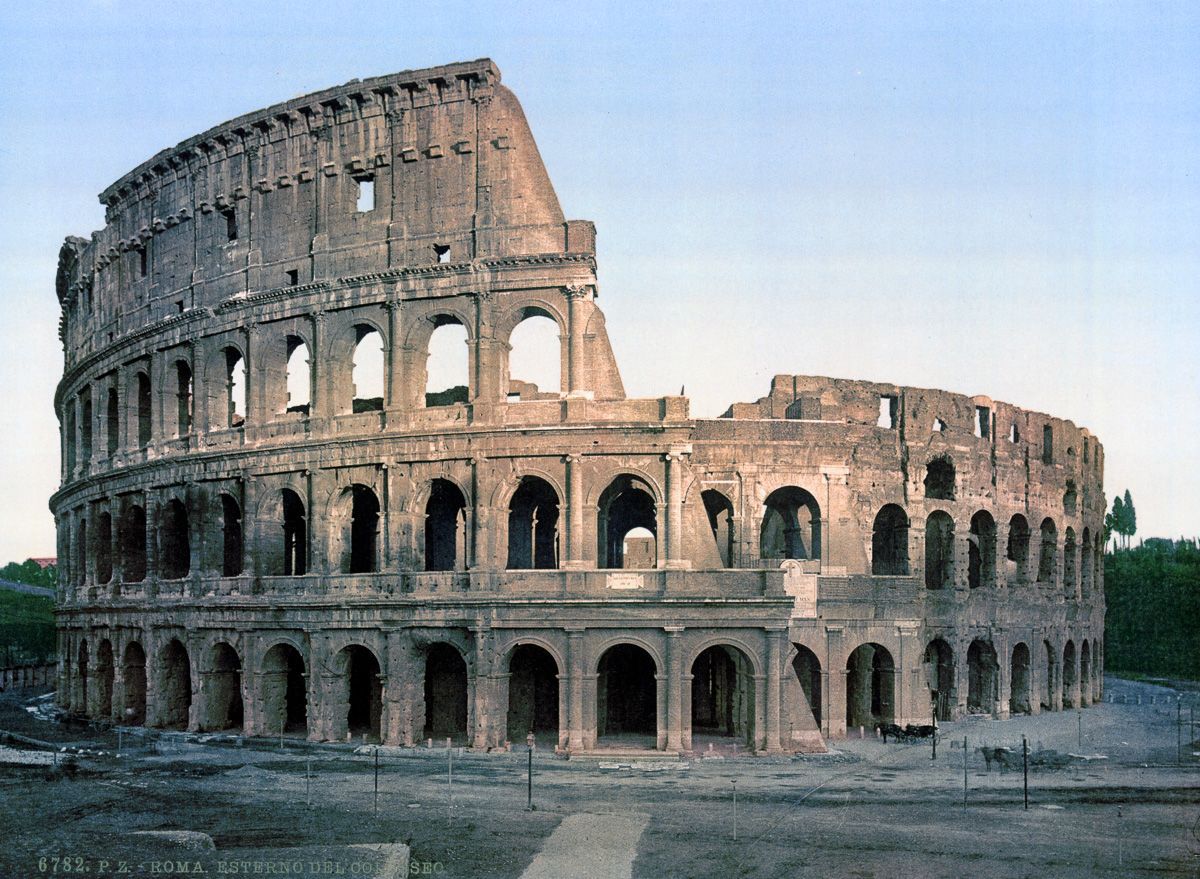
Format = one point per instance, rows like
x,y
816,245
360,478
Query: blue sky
x,y
997,199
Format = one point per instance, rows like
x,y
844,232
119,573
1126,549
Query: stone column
x,y
482,695
575,673
250,527
151,578
674,683
674,475
774,665
395,399
320,393
575,503
255,414
576,378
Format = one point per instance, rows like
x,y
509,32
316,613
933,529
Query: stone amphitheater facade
x,y
249,541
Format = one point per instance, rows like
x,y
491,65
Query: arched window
x,y
627,504
295,535
1070,498
889,542
368,369
445,527
112,415
174,541
299,376
358,512
85,426
235,389
183,398
81,552
1070,575
143,409
104,565
1047,552
533,526
981,563
720,519
446,372
535,356
1085,562
939,551
132,542
231,537
791,527
1018,549
939,479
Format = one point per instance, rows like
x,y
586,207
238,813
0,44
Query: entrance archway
x,y
870,686
982,668
133,712
1020,699
532,693
283,699
808,670
723,695
939,659
364,692
627,696
104,679
223,689
175,686
1068,676
445,693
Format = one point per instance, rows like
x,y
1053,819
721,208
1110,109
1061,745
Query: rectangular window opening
x,y
887,411
231,224
366,194
983,422
1047,444
442,252
143,262
293,277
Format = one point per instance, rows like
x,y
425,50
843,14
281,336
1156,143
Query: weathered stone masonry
x,y
250,540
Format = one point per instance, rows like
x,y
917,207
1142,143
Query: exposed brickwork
x,y
415,565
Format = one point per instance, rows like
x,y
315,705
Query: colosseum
x,y
256,536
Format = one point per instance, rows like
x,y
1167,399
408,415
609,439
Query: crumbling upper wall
x,y
277,198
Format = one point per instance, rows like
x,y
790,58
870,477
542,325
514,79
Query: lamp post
x,y
530,744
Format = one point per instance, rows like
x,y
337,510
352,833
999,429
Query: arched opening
x,y
626,504
1070,498
1051,676
533,526
981,543
1047,552
357,526
447,372
1085,674
112,425
132,541
86,422
1070,572
295,535
639,550
939,662
81,678
939,551
223,689
104,560
723,695
808,671
445,693
183,398
720,519
939,479
133,674
870,687
535,356
364,693
1085,562
1020,700
532,693
982,677
105,673
143,409
1068,675
627,697
283,698
235,389
1018,550
175,686
368,370
81,552
889,542
445,527
791,526
174,541
299,376
231,536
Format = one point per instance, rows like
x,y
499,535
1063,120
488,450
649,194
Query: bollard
x,y
429,743
964,773
734,780
862,732
1025,768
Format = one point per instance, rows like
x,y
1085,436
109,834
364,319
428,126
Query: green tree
x,y
1130,518
30,573
1114,522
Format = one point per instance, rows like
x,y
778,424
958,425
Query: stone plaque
x,y
624,580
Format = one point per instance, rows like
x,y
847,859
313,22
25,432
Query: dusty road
x,y
866,810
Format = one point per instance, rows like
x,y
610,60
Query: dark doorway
x,y
532,692
445,693
626,693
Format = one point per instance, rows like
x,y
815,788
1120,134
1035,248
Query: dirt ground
x,y
867,809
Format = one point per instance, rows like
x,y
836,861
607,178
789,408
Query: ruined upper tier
x,y
275,198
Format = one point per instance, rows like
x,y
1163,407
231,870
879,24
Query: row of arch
x,y
219,694
280,378
1081,559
